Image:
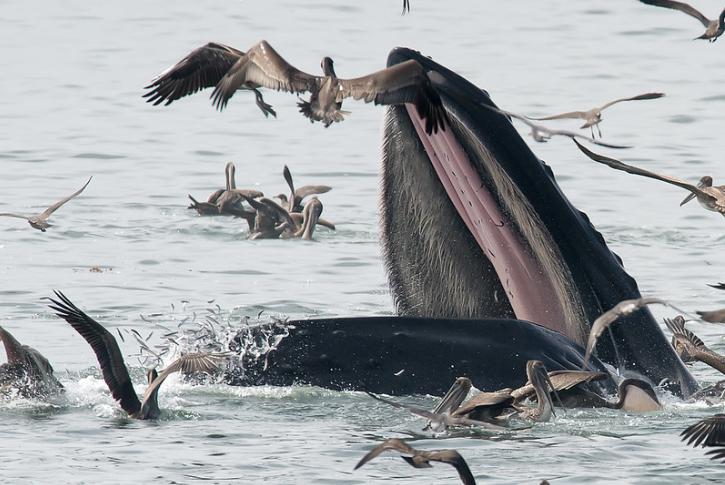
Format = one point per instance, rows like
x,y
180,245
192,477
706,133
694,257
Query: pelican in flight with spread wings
x,y
713,28
228,70
593,116
40,221
710,197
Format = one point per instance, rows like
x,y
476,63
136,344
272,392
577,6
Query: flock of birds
x,y
227,70
266,218
28,373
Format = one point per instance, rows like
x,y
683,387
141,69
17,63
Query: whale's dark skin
x,y
458,280
403,355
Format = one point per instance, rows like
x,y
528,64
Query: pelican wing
x,y
562,380
197,362
677,327
19,216
616,164
708,432
406,82
621,309
451,457
107,352
202,68
639,97
55,206
681,6
306,190
391,444
572,114
262,66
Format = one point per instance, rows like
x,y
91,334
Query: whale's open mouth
x,y
475,226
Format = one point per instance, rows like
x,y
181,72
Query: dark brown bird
x,y
422,459
706,433
114,369
228,70
715,316
713,28
621,309
593,116
439,422
27,371
40,221
309,108
294,203
710,197
689,346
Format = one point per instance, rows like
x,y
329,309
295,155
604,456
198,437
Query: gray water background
x,y
71,107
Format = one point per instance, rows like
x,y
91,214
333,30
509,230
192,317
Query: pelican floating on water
x,y
593,116
114,369
27,371
40,221
713,28
710,197
421,459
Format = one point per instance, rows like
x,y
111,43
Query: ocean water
x,y
129,253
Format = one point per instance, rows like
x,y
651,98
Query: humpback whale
x,y
489,266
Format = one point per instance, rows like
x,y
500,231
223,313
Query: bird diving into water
x,y
114,369
709,196
593,116
40,221
228,70
713,28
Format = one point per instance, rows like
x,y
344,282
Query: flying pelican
x,y
710,197
311,109
708,432
228,70
422,459
621,309
27,371
593,116
40,221
542,134
114,370
713,28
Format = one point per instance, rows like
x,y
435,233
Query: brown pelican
x,y
294,203
708,432
40,221
311,216
593,116
710,197
715,316
490,405
439,422
422,459
228,70
689,346
542,134
27,371
311,108
621,309
713,28
114,370
272,220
